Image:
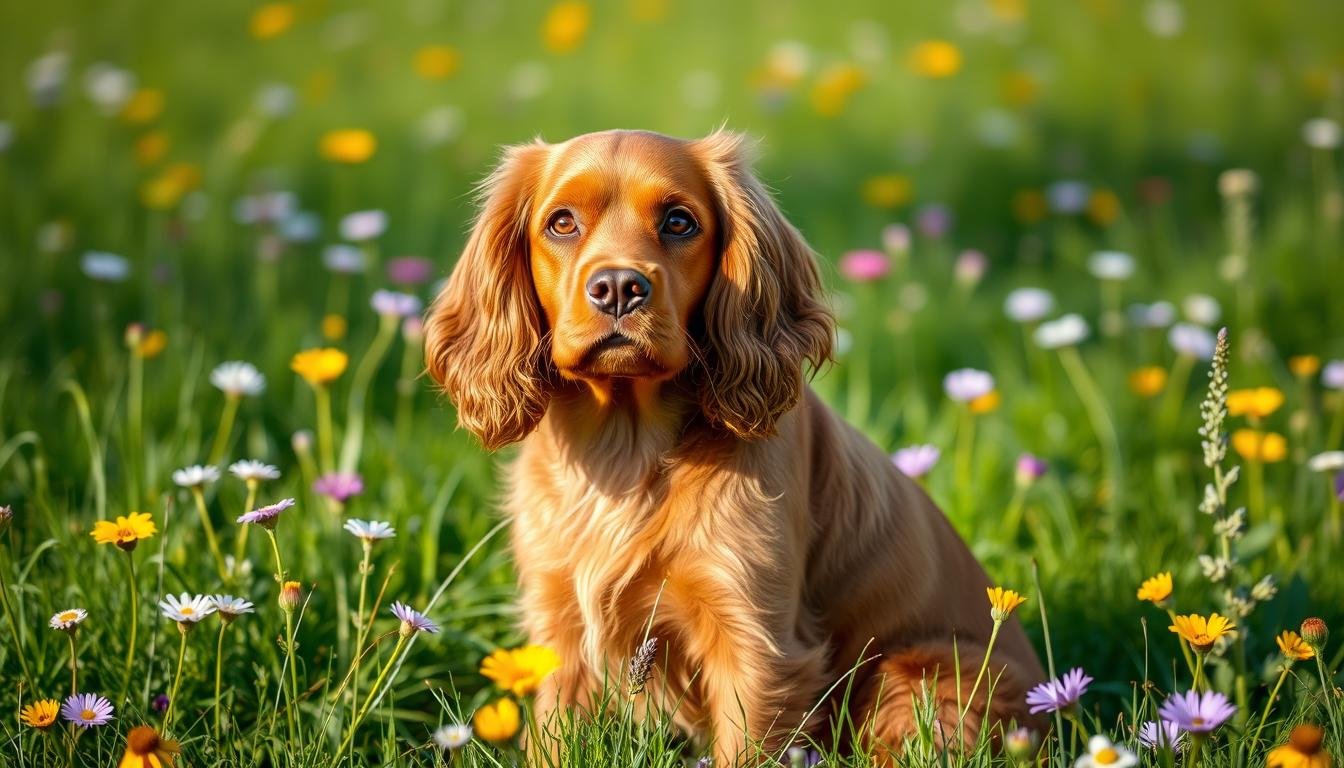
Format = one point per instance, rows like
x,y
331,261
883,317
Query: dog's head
x,y
627,255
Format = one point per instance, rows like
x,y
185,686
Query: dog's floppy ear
x,y
483,334
763,316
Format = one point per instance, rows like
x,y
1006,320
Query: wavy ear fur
x,y
764,318
484,333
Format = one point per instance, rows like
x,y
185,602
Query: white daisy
x,y
370,531
361,226
187,609
1111,265
1103,753
1029,305
69,619
195,476
1064,332
238,379
1330,461
251,470
230,607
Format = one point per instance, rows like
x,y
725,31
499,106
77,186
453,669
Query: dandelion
x,y
41,714
1059,694
1195,712
1161,735
986,403
320,367
126,531
452,737
934,59
339,486
1255,404
143,107
497,722
267,517
1029,305
363,226
350,146
887,190
1303,750
145,748
916,461
863,266
334,327
1103,753
1156,590
1148,381
394,304
520,670
87,710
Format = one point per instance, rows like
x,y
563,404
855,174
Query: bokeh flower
x,y
1148,381
253,471
1304,366
497,722
107,267
363,226
126,531
1202,633
1061,693
520,670
319,366
68,620
896,239
1201,308
410,270
146,749
266,516
1256,403
915,461
864,266
334,327
1303,750
369,531
395,304
934,59
886,190
1029,469
969,268
339,486
1104,753
1029,305
565,26
238,379
1156,590
271,20
196,476
1066,331
41,714
1255,445
1161,735
1332,375
1111,265
350,146
436,62
1197,712
1159,314
452,736
1191,340
412,621
87,710
933,220
966,384
1327,462
1002,602
1321,133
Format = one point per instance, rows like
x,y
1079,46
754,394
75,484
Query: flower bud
x,y
1029,469
1022,744
6,517
1315,633
291,594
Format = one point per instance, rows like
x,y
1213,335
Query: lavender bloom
x,y
343,259
1161,735
394,304
915,461
370,531
87,710
1332,375
933,220
1339,486
966,384
160,703
412,621
1197,712
361,226
410,270
267,516
1191,340
1030,468
339,486
1068,196
1060,693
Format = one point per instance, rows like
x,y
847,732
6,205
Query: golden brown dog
x,y
637,312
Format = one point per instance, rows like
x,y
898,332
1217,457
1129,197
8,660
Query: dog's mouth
x,y
619,355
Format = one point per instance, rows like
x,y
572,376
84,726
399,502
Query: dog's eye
x,y
562,224
679,223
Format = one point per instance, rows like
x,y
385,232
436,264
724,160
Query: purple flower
x,y
394,304
1068,196
1339,486
966,384
1197,712
87,710
362,226
339,486
160,703
864,265
1332,375
267,517
1029,469
410,270
916,460
1060,693
412,621
1191,340
1161,735
933,220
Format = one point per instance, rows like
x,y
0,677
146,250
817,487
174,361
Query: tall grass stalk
x,y
353,442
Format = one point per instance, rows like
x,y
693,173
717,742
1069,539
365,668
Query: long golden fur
x,y
675,468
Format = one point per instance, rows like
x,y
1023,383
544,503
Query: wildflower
x,y
229,607
302,227
87,710
520,670
1022,744
146,749
1060,693
107,267
41,714
1161,735
1237,182
1303,750
412,621
68,620
497,722
1002,602
966,384
436,62
1064,332
238,379
1293,647
410,270
915,461
186,609
1255,403
969,268
1191,340
1201,633
1201,308
933,220
452,736
1029,305
1197,712
1254,445
1029,469
350,146
1030,205
1315,632
641,666
362,226
196,476
394,304
887,190
1321,133
1068,196
934,59
1156,590
6,517
1159,314
863,266
274,99
1265,589
144,106
1102,752
896,239
1148,381
339,486
291,594
986,403
319,366
160,703
108,86
1215,568
1111,265
145,346
370,531
253,471
1332,375
126,531
334,327
268,516
1304,366
271,20
565,26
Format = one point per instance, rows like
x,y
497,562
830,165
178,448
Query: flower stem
x,y
1095,406
219,670
292,694
226,417
135,622
984,665
406,383
177,679
1185,647
1199,671
74,663
209,532
326,453
368,701
240,544
353,442
14,627
1274,694
361,626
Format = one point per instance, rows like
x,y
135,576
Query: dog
x,y
635,310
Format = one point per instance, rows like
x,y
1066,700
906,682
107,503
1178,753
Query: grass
x,y
92,427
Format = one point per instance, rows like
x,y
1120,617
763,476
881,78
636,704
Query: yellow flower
x,y
319,366
1304,366
1103,207
1002,602
1254,445
1256,403
520,670
1149,381
497,722
146,749
985,403
333,327
1303,750
271,20
1293,647
150,148
126,531
144,106
165,191
350,146
1202,633
935,59
887,190
41,714
1030,206
151,345
436,62
565,26
1157,589
834,87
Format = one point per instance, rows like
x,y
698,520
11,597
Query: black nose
x,y
618,292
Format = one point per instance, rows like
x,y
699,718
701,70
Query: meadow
x,y
220,223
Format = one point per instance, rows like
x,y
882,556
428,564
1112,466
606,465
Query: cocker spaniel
x,y
636,311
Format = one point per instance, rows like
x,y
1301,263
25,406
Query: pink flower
x,y
864,265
